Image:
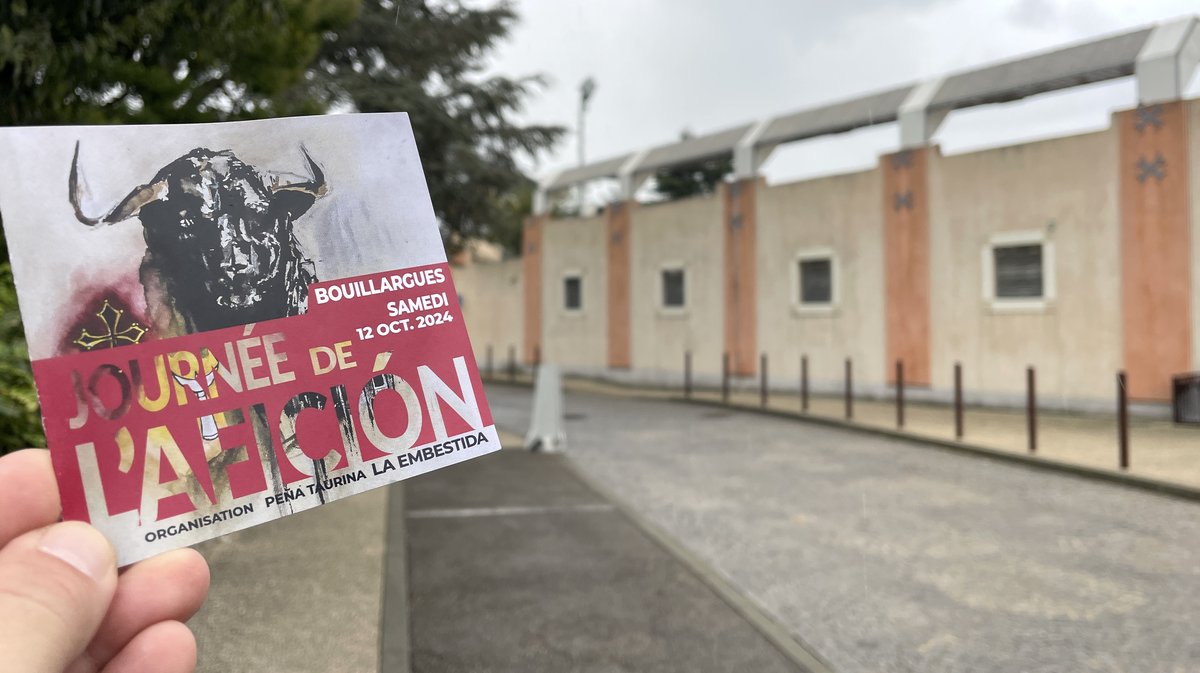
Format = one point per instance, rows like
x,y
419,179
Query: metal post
x,y
849,390
490,371
725,377
804,383
958,401
900,394
1031,407
1122,421
762,386
687,374
537,355
512,363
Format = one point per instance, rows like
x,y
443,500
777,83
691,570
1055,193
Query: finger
x,y
168,587
55,586
28,494
166,647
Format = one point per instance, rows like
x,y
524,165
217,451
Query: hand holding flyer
x,y
281,332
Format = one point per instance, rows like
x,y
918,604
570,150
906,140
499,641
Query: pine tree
x,y
427,58
175,61
141,61
158,61
693,179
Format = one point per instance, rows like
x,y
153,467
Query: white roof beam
x,y
748,156
629,180
541,196
1167,60
917,122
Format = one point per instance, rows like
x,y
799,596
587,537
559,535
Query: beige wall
x,y
841,213
575,341
683,233
1193,131
1067,188
492,307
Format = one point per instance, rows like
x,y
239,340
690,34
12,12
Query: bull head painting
x,y
220,245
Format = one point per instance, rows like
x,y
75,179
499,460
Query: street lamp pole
x,y
586,89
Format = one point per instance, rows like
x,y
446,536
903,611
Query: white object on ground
x,y
546,431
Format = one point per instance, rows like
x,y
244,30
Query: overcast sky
x,y
662,66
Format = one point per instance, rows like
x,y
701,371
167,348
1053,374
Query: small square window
x,y
1019,271
673,288
572,293
816,281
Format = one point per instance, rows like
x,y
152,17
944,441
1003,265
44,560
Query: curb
x,y
1148,484
793,648
395,650
1155,486
790,646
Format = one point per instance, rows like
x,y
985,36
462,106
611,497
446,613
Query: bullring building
x,y
1077,255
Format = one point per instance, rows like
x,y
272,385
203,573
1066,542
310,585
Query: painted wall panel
x,y
905,204
1065,190
575,340
840,214
1193,133
531,286
740,217
684,234
1155,247
618,246
493,306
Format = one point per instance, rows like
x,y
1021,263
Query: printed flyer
x,y
229,323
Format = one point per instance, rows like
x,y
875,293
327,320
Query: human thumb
x,y
55,586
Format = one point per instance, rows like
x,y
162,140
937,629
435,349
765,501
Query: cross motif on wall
x,y
902,200
1148,115
617,237
532,248
736,222
902,159
1156,169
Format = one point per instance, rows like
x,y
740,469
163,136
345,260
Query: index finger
x,y
28,493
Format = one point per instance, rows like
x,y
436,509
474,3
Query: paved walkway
x,y
515,565
302,594
1159,449
886,556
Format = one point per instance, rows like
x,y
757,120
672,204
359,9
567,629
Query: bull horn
x,y
127,208
316,187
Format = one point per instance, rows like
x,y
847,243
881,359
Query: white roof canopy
x,y
1165,55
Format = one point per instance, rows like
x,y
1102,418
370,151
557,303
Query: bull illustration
x,y
220,244
220,251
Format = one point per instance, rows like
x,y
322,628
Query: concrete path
x,y
298,595
515,565
1159,449
886,556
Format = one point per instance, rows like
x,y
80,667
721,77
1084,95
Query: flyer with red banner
x,y
229,323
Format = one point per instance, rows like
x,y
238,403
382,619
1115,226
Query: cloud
x,y
1032,13
704,65
1070,17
